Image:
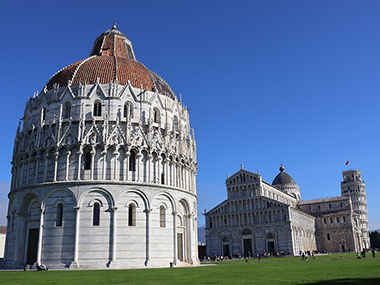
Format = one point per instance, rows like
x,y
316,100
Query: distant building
x,y
258,217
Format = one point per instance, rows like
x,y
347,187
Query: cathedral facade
x,y
104,169
258,217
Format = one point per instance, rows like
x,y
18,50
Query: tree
x,y
374,237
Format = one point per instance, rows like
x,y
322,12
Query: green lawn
x,y
287,270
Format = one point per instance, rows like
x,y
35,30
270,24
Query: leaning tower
x,y
354,186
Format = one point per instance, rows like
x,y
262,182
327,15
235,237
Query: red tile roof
x,y
111,60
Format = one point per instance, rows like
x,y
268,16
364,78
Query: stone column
x,y
21,174
175,174
149,162
175,237
68,153
138,160
92,152
75,263
180,175
46,165
147,211
38,157
28,171
40,233
80,153
170,173
56,165
158,172
189,221
114,233
127,154
116,155
104,153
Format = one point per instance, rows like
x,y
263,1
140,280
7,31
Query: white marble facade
x,y
258,217
103,173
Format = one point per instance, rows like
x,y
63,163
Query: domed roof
x,y
283,178
112,60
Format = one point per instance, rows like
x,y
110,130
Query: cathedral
x,y
262,218
103,169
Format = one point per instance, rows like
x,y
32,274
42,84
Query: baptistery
x,y
103,168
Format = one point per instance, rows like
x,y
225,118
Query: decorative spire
x,y
242,165
114,25
282,168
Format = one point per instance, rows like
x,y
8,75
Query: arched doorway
x,y
246,237
32,209
271,245
183,233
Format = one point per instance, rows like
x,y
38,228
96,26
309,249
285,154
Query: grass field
x,y
332,269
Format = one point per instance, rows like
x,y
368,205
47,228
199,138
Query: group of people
x,y
306,254
363,253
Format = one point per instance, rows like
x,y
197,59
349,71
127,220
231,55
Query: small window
x,y
162,217
67,110
59,218
162,178
329,206
43,114
132,161
97,109
96,214
344,219
175,124
328,236
337,219
131,215
128,110
87,161
331,220
324,221
210,222
156,115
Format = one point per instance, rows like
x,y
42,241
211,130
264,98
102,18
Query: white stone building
x,y
258,217
104,168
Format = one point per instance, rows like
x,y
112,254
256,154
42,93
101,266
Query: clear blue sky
x,y
267,81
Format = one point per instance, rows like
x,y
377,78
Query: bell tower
x,y
353,186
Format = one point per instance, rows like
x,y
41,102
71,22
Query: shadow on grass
x,y
349,281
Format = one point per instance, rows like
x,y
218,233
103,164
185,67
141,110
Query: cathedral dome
x,y
283,178
112,60
285,183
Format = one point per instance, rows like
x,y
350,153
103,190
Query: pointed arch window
x,y
175,123
162,217
67,110
97,109
87,160
132,161
156,115
43,114
132,215
96,214
59,217
128,110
